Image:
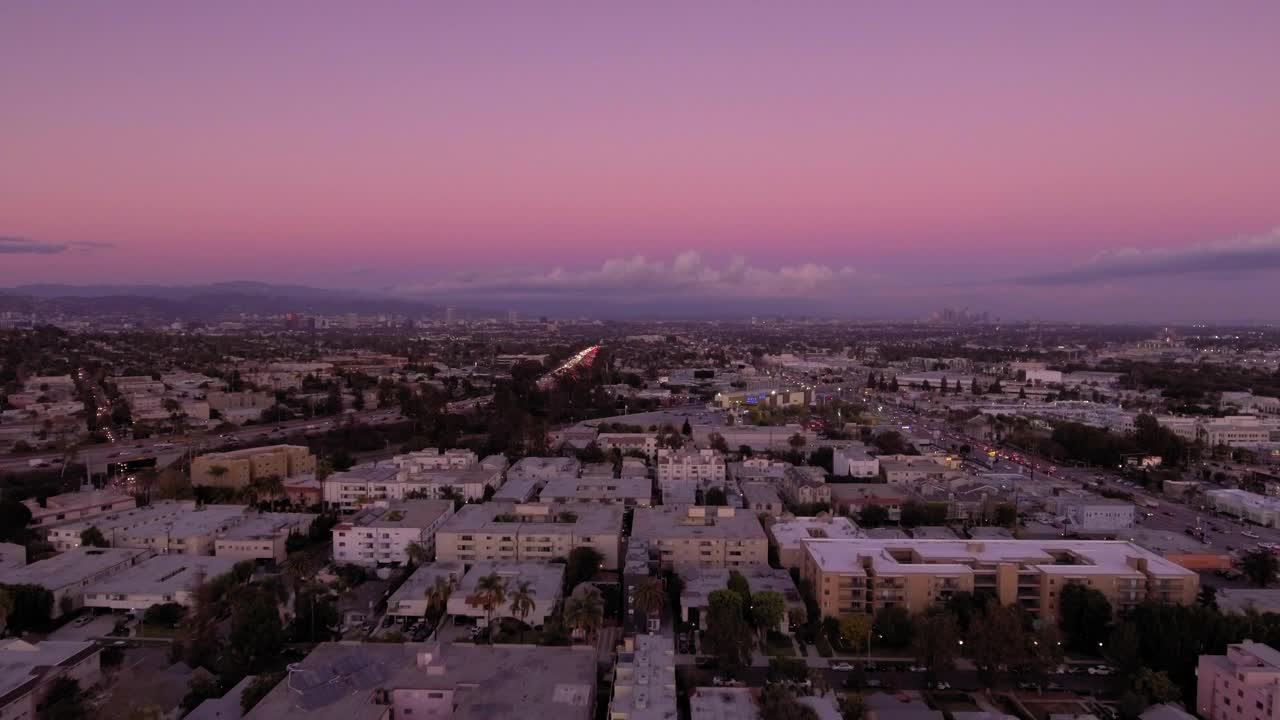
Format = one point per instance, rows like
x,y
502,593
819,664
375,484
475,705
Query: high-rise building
x,y
450,315
513,317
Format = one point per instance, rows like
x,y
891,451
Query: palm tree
x,y
650,597
491,592
418,553
438,596
584,613
522,601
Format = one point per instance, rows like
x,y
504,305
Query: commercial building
x,y
342,681
1237,431
863,576
410,599
1257,509
239,468
380,534
789,534
644,679
69,507
683,537
1244,684
766,397
627,492
263,536
514,532
545,582
1096,515
28,671
67,574
155,581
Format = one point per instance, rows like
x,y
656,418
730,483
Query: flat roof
x,y
789,533
416,585
246,453
589,519
700,582
716,703
546,580
490,682
175,518
398,514
265,525
645,679
934,556
22,662
597,488
697,522
163,574
71,567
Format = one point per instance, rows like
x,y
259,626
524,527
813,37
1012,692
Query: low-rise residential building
x,y
543,469
863,576
69,507
343,681
370,483
12,555
380,534
697,584
789,534
644,679
544,581
436,459
28,671
410,599
643,443
805,486
761,497
723,703
167,526
1100,515
239,468
628,492
263,536
155,581
689,470
853,498
514,532
67,574
911,470
853,461
683,537
1244,684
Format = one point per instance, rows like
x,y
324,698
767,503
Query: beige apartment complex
x,y
517,532
863,575
238,468
700,536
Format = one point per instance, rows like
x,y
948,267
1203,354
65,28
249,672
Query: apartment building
x,y
69,507
644,679
410,599
155,581
380,535
1244,684
239,468
645,443
789,533
167,526
28,671
513,532
698,536
370,483
263,536
761,497
546,582
435,459
853,461
862,576
627,492
67,574
690,469
344,681
543,469
805,486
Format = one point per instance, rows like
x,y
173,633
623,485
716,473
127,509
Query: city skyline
x,y
1077,163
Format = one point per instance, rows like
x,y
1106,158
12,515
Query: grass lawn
x,y
779,645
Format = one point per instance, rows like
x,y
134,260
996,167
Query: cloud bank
x,y
11,245
1252,254
637,276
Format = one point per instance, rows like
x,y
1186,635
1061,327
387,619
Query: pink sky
x,y
302,141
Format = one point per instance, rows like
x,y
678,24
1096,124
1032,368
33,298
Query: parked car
x,y
841,667
942,686
1101,670
918,668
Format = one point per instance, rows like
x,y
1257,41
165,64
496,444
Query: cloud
x,y
10,245
1251,254
638,276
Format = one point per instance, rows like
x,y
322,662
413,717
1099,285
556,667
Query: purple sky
x,y
1059,159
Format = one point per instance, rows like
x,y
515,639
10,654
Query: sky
x,y
1081,161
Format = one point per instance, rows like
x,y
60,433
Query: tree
x,y
852,707
872,516
1155,686
778,703
6,606
855,629
584,613
1208,597
491,592
738,583
92,537
727,636
522,600
199,688
1084,614
767,610
1124,648
14,518
418,553
438,595
314,613
1260,567
649,597
583,564
995,640
257,635
935,642
717,442
686,430
258,689
893,623
31,607
796,441
715,496
1045,653
63,701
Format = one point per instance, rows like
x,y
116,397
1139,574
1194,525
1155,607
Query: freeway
x,y
96,457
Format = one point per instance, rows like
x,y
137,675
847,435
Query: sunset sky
x,y
1078,160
